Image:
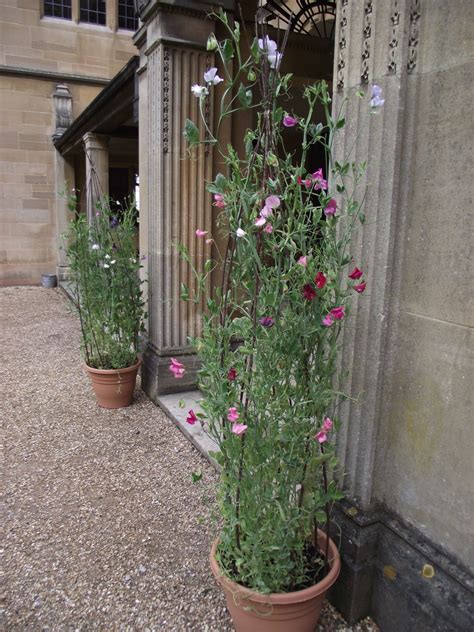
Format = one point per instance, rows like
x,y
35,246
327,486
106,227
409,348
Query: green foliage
x,y
107,289
277,481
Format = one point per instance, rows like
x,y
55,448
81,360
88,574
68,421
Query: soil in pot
x,y
296,611
114,388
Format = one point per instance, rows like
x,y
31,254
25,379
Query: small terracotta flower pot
x,y
114,387
278,612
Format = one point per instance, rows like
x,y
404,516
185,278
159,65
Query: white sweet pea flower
x,y
376,101
106,265
112,262
270,47
199,91
95,246
212,77
240,233
107,257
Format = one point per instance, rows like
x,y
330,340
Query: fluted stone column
x,y
376,43
174,203
96,149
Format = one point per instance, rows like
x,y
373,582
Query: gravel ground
x,y
103,528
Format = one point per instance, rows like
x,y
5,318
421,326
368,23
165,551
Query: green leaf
x,y
191,133
362,217
341,122
220,182
244,96
227,51
182,403
196,476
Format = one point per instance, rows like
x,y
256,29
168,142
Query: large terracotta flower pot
x,y
278,612
114,387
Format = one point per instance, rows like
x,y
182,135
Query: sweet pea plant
x,y
269,345
106,285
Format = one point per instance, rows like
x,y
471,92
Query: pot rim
x,y
282,598
112,371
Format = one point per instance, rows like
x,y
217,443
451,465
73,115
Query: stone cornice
x,y
15,71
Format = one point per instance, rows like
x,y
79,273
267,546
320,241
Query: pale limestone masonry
x,y
37,54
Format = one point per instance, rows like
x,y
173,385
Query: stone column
x,y
174,203
64,174
376,43
96,149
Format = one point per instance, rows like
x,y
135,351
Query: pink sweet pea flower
x,y
321,436
320,280
191,418
289,121
219,200
360,288
299,180
308,183
309,292
260,221
338,312
272,201
356,273
328,320
239,429
303,261
327,424
319,181
177,368
233,414
200,233
268,229
330,208
232,374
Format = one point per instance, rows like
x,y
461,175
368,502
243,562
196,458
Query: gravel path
x,y
103,528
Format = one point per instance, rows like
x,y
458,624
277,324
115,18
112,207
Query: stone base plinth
x,y
157,378
396,575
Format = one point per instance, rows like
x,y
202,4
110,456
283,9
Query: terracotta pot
x,y
114,387
278,612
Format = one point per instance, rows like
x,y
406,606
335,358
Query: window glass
x,y
127,18
58,9
92,11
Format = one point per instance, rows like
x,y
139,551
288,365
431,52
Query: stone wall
x,y
35,55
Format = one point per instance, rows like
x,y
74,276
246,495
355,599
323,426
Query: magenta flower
x,y
191,418
233,414
299,180
268,229
327,424
260,221
266,321
330,208
319,181
328,320
320,280
289,121
239,429
321,436
309,292
356,273
200,233
308,183
361,287
177,368
232,374
339,312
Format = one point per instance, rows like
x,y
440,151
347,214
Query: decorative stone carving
x,y
62,100
166,98
393,43
364,76
413,38
341,58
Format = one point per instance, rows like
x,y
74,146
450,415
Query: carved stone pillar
x,y
376,43
64,173
96,149
174,203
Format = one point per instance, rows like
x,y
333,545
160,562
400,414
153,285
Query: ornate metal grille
x,y
310,17
127,16
92,11
58,9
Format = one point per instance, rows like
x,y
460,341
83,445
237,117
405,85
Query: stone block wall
x,y
35,55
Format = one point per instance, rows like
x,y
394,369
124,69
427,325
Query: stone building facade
x,y
406,524
37,53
